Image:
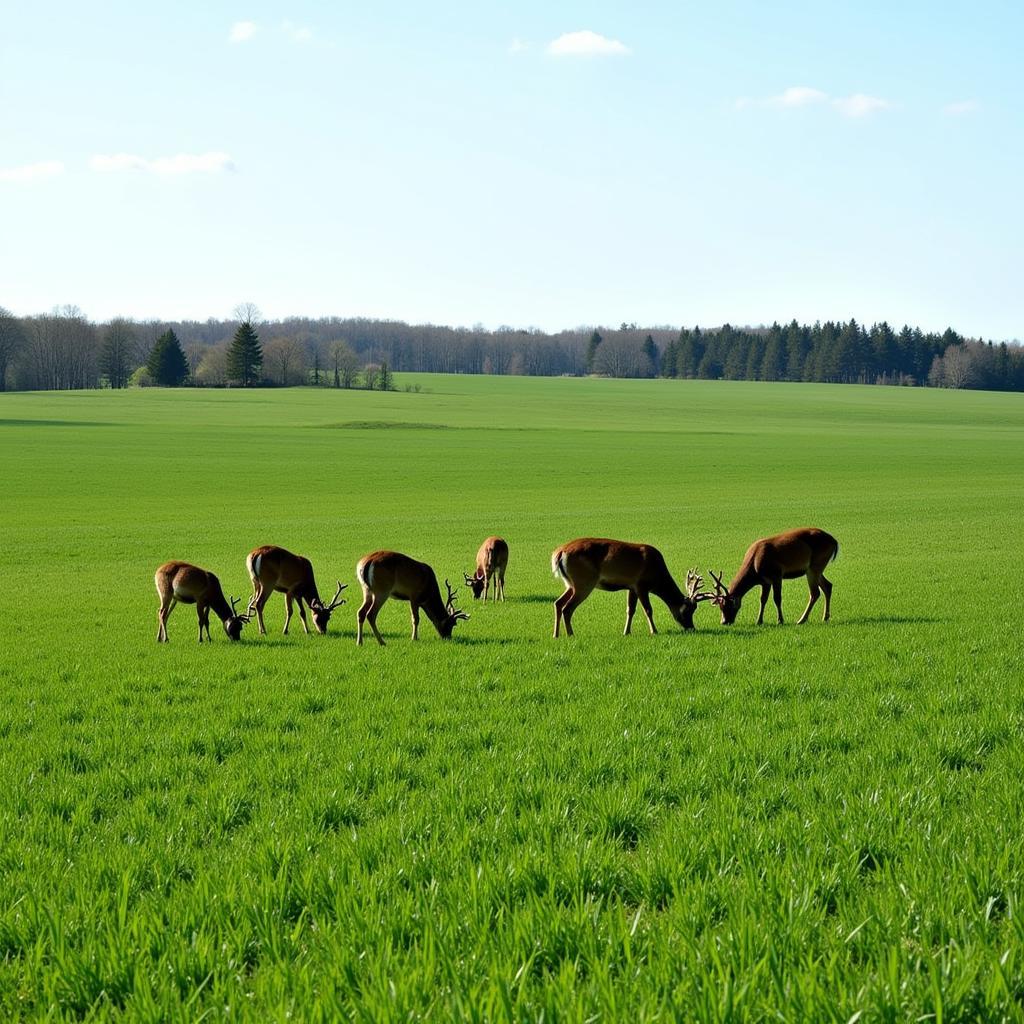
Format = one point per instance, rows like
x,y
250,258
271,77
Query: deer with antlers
x,y
180,582
272,568
786,556
639,569
491,562
385,574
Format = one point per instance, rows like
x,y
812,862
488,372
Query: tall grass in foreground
x,y
786,823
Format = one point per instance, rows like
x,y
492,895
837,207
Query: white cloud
x,y
182,163
32,172
857,105
586,44
794,96
297,33
960,108
242,31
860,105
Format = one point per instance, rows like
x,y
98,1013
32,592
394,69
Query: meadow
x,y
789,823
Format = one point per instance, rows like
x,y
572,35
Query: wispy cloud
x,y
961,107
182,163
860,105
297,33
794,96
518,46
242,31
32,172
857,105
586,44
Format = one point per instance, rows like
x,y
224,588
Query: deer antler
x,y
337,599
451,598
694,581
469,579
721,590
234,610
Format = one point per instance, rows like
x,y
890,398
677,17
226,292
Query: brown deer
x,y
639,569
272,568
491,563
786,556
385,574
180,582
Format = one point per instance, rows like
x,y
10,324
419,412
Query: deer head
x,y
234,623
692,596
322,612
453,616
476,584
728,604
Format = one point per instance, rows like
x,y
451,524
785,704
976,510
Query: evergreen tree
x,y
668,359
651,351
592,346
167,364
798,345
385,379
773,366
690,352
245,356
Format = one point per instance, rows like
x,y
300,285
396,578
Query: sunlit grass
x,y
786,823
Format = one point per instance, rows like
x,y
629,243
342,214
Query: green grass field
x,y
785,823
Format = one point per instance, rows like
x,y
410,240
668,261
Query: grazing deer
x,y
491,563
179,581
385,574
272,568
786,556
639,569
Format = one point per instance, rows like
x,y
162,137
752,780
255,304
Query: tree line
x,y
64,350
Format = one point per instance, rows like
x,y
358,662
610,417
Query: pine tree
x,y
167,364
592,346
651,351
245,356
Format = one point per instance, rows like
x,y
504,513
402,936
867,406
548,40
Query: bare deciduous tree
x,y
284,361
248,313
12,340
117,352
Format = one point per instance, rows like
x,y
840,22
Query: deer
x,y
640,569
272,568
491,562
786,556
188,584
385,574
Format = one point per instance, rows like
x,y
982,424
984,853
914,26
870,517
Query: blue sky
x,y
546,164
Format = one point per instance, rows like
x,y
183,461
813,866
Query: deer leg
x,y
501,580
371,617
630,610
777,591
287,613
302,615
812,584
166,607
579,595
764,600
826,586
414,610
560,604
361,615
260,601
645,603
199,615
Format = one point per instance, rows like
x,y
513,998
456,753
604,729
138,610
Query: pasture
x,y
730,824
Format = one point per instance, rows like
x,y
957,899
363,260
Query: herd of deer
x,y
583,565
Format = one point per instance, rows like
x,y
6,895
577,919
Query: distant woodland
x,y
65,350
